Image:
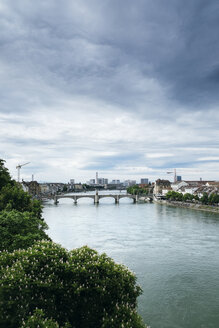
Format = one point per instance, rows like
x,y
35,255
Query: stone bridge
x,y
97,197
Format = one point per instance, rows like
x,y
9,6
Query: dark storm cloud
x,y
193,66
112,50
83,78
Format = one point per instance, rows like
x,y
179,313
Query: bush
x,y
188,197
5,178
13,197
204,198
20,230
38,319
173,195
79,287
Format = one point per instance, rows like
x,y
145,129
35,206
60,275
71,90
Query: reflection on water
x,y
173,251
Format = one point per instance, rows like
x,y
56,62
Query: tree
x,y
204,198
5,178
38,319
80,287
20,230
13,197
173,195
65,188
213,199
187,197
196,197
137,190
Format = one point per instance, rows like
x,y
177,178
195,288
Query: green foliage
x,y
188,197
173,195
196,197
13,197
65,188
204,198
123,316
80,287
20,230
5,178
213,199
38,319
137,190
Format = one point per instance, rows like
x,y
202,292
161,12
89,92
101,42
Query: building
x,y
44,188
78,187
115,182
161,187
144,181
96,177
32,187
194,187
72,181
178,178
91,182
102,181
128,183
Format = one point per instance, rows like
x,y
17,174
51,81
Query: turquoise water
x,y
173,251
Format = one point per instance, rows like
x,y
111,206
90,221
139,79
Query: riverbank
x,y
193,206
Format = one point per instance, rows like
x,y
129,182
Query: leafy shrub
x,y
38,319
20,230
80,287
173,195
204,198
13,197
5,178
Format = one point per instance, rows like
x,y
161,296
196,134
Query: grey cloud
x,y
105,50
155,59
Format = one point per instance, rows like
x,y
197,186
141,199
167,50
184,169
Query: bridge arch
x,y
96,197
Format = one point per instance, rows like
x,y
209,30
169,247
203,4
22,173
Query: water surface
x,y
173,251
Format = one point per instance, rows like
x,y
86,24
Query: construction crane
x,y
18,167
175,178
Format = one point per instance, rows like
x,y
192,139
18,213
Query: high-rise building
x,y
128,183
178,178
102,181
115,182
144,181
72,181
96,177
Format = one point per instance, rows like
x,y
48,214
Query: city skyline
x,y
129,89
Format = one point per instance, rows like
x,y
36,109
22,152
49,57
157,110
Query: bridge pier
x,y
117,200
96,198
55,201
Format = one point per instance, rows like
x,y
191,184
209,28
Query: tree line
x,y
138,190
44,285
205,199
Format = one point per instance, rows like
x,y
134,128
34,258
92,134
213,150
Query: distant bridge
x,y
96,198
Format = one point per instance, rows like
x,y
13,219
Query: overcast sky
x,y
126,88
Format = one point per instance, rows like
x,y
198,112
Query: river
x,y
173,251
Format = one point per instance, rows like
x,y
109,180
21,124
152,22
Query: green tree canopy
x,y
20,230
13,197
173,195
137,190
79,287
204,198
5,178
38,319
